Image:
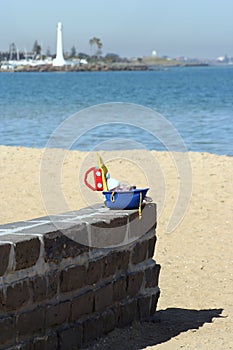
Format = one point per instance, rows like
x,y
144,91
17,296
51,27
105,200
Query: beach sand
x,y
196,281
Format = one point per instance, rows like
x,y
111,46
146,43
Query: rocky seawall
x,y
79,68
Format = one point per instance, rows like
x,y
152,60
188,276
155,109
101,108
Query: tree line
x,y
95,44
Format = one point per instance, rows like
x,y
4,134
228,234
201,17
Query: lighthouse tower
x,y
59,60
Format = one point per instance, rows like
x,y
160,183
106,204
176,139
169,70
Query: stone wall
x,y
66,280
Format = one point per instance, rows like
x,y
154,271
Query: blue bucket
x,y
125,199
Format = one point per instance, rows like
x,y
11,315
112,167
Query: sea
x,y
196,103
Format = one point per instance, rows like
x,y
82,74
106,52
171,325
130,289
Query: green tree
x,y
97,42
91,43
73,52
112,57
36,48
83,55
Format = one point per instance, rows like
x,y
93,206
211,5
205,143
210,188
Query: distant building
x,y
223,59
59,61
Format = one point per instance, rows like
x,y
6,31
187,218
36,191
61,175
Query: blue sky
x,y
193,28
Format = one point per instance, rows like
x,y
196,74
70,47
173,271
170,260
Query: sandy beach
x,y
195,309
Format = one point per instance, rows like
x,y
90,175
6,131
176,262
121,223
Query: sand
x,y
195,309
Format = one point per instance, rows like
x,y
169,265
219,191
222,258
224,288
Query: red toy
x,y
98,176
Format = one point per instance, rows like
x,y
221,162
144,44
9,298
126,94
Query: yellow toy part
x,y
104,169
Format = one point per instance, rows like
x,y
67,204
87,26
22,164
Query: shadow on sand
x,y
167,324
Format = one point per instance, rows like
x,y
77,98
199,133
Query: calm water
x,y
197,101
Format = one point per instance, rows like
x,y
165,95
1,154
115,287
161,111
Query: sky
x,y
130,28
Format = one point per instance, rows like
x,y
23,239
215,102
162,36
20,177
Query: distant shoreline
x,y
101,67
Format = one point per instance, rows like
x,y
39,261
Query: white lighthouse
x,y
59,60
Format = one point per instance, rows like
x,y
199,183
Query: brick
x,y
47,342
73,278
39,288
110,264
17,295
134,283
82,305
109,321
154,302
152,276
27,253
2,302
120,288
53,279
27,345
57,314
108,234
26,247
63,242
126,313
151,246
92,328
30,322
7,330
103,297
5,249
123,260
95,271
15,225
139,252
144,304
71,338
139,227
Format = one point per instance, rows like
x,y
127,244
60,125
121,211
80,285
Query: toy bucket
x,y
125,199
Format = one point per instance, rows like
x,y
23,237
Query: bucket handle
x,y
140,206
112,197
85,178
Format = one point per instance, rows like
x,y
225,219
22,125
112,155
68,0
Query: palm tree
x,y
91,43
98,43
36,48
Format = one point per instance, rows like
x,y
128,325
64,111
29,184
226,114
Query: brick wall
x,y
68,279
